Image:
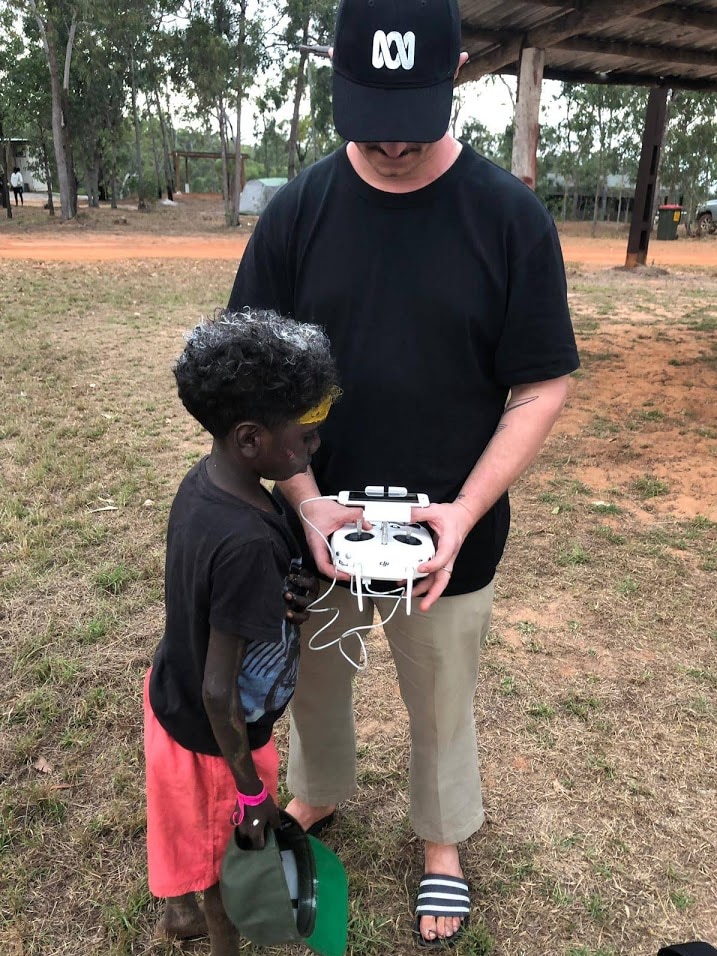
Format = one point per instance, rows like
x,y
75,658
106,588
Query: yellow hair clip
x,y
321,411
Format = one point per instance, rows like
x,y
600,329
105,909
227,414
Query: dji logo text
x,y
405,50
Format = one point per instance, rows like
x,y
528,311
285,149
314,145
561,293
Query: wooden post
x,y
527,116
177,177
641,226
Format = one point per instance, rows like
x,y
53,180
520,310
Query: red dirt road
x,y
94,247
579,251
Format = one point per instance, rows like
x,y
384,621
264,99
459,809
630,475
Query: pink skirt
x,y
190,799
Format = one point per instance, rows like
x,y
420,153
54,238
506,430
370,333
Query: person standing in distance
x,y
17,185
440,281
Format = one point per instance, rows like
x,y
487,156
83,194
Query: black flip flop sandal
x,y
697,948
316,829
440,895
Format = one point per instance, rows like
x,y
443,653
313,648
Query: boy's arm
x,y
220,693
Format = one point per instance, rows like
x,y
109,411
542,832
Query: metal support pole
x,y
641,227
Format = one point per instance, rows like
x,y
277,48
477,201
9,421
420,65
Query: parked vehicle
x,y
706,217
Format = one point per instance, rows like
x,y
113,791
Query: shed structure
x,y
620,42
256,194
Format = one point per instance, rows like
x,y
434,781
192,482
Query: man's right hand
x,y
328,516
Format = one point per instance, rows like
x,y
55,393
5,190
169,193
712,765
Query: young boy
x,y
226,667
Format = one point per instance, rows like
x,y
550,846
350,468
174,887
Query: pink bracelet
x,y
254,801
246,800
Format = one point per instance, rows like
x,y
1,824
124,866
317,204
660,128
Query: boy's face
x,y
288,450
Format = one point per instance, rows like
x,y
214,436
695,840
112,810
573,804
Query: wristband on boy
x,y
247,800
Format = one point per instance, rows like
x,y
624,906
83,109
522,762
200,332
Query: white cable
x,y
397,593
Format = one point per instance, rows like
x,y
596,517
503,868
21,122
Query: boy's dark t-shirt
x,y
226,565
436,302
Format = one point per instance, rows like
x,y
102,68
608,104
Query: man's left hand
x,y
450,524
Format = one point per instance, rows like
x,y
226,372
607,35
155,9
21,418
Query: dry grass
x,y
598,698
191,215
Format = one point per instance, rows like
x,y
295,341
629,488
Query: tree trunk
x,y
113,177
234,219
48,176
141,204
298,95
6,179
165,148
222,119
157,168
60,130
93,183
599,185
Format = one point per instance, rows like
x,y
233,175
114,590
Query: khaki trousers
x,y
436,656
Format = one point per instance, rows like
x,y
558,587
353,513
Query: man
x,y
17,185
440,281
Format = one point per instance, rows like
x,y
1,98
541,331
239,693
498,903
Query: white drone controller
x,y
394,547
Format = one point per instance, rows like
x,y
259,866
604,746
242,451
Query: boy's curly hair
x,y
253,365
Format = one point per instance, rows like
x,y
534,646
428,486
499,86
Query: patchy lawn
x,y
597,703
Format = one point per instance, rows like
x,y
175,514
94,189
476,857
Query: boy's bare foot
x,y
182,919
306,815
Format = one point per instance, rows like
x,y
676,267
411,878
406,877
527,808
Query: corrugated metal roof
x,y
602,41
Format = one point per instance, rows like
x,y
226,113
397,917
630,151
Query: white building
x,y
256,195
21,157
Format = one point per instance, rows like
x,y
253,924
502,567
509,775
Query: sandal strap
x,y
697,948
442,896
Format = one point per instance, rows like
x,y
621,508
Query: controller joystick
x,y
407,538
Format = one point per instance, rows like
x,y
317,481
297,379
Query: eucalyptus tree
x,y
135,29
607,105
30,109
97,106
217,58
689,163
11,48
201,65
308,22
56,23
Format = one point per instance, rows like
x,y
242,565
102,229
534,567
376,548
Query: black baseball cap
x,y
394,63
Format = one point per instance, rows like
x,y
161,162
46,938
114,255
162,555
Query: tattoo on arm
x,y
519,403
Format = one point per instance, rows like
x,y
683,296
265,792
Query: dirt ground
x,y
69,244
196,231
194,228
597,705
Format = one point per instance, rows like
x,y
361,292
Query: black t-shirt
x,y
436,302
226,566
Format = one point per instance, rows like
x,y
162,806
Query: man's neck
x,y
438,161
